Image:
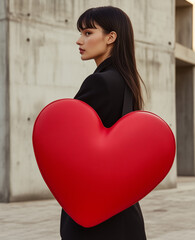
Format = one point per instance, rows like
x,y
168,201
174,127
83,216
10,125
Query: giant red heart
x,y
96,172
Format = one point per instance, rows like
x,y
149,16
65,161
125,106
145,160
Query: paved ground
x,y
169,215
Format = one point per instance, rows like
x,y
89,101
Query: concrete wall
x,y
4,105
42,63
185,62
184,16
185,120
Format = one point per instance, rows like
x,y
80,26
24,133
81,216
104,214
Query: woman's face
x,y
94,44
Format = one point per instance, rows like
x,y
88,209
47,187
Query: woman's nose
x,y
79,41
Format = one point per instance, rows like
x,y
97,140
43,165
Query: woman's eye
x,y
87,33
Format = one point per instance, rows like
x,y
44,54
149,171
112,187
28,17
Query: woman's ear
x,y
112,37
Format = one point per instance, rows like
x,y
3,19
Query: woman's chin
x,y
85,58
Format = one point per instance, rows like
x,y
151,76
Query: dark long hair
x,y
123,52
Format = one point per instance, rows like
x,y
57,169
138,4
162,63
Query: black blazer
x,y
104,92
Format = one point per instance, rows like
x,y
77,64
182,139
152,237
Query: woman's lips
x,y
81,50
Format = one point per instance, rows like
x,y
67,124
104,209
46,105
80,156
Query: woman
x,y
107,37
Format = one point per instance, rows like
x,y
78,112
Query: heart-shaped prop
x,y
96,172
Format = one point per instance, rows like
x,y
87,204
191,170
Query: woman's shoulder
x,y
110,79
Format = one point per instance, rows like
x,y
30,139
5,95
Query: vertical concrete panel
x,y
185,121
50,12
4,107
3,5
42,69
184,17
152,19
193,77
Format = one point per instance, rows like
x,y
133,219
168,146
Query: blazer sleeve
x,y
94,91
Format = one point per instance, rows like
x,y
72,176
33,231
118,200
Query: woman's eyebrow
x,y
87,29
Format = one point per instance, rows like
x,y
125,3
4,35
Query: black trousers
x,y
127,225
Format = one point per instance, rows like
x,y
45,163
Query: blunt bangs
x,y
86,20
